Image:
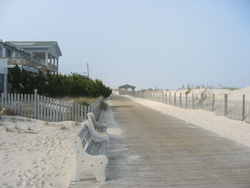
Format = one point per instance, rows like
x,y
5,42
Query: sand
x,y
34,153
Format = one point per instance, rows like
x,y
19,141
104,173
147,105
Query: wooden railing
x,y
52,67
26,62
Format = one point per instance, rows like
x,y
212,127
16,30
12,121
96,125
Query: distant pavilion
x,y
125,89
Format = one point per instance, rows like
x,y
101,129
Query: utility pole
x,y
88,70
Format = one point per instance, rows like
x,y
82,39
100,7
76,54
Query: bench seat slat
x,y
87,136
96,149
90,146
85,139
82,132
103,150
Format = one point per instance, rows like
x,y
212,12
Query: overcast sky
x,y
145,43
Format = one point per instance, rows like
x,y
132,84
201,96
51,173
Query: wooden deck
x,y
157,150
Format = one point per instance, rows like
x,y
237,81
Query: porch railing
x,y
25,62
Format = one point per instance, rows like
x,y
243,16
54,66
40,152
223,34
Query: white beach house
x,y
44,54
28,55
31,55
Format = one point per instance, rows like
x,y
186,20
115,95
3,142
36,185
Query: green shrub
x,y
56,85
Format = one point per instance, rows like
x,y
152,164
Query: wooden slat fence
x,y
238,110
44,108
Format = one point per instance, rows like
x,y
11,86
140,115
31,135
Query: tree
x,y
56,85
14,79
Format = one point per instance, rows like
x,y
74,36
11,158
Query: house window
x,y
8,53
1,82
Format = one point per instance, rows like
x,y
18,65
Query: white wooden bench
x,y
91,154
99,127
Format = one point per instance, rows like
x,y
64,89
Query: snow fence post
x,y
225,104
243,107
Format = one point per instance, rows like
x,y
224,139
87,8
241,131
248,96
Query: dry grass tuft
x,y
16,127
63,127
79,100
28,119
7,111
6,128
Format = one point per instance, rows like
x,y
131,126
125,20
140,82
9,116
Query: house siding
x,y
3,75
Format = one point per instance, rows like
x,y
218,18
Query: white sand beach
x,y
35,153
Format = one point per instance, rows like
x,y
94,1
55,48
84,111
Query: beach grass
x,y
80,100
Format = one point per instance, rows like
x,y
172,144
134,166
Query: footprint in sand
x,y
6,185
14,173
6,173
44,169
43,160
29,175
42,183
54,174
22,183
15,163
49,153
58,167
36,176
35,167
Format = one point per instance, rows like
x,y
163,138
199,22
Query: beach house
x,y
31,55
44,54
28,55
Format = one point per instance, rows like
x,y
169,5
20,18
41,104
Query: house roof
x,y
39,46
14,47
33,43
127,86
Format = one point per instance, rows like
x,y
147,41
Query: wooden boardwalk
x,y
149,149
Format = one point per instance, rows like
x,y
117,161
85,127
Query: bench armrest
x,y
100,125
100,138
91,118
96,136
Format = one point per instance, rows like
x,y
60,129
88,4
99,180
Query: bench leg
x,y
86,163
99,168
94,165
100,176
77,173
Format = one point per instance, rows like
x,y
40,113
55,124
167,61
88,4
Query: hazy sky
x,y
145,43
